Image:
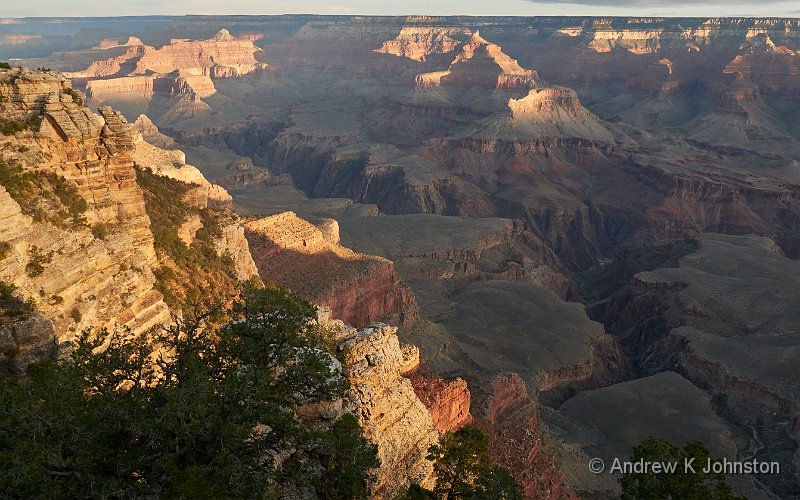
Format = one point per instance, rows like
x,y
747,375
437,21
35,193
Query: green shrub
x,y
37,261
464,469
10,127
44,195
76,96
12,305
34,121
205,424
100,230
683,483
4,65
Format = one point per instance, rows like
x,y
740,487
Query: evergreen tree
x,y
684,483
464,470
190,411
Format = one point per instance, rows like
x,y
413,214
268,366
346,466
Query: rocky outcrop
x,y
221,56
172,163
182,70
550,112
388,411
447,400
518,440
233,243
634,41
482,64
144,126
78,280
419,43
359,288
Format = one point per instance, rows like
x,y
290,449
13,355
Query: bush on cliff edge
x,y
212,418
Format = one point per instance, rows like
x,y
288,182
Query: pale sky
x,y
680,8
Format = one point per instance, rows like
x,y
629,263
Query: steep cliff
x,y
518,440
92,267
358,288
387,409
484,64
419,43
77,236
447,400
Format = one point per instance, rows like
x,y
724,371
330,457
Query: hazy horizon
x,y
650,8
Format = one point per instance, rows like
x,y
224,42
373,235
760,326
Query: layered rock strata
x,y
419,43
76,279
483,64
518,440
447,400
389,412
182,69
359,288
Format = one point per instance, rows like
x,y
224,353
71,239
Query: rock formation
x,y
182,71
419,43
172,163
358,288
447,400
500,183
549,112
484,64
84,281
388,411
150,132
96,274
517,440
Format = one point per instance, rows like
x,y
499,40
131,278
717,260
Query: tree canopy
x,y
684,483
191,411
464,470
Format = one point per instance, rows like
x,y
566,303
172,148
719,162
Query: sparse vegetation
x,y
37,261
5,249
10,126
44,195
214,418
76,96
464,470
101,230
11,305
76,315
4,65
186,269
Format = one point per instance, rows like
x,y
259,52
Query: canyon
x,y
84,247
576,220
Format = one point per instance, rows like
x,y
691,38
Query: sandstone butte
x,y
358,288
109,281
183,68
419,43
482,64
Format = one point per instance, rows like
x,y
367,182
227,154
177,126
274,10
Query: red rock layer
x,y
512,421
447,400
358,288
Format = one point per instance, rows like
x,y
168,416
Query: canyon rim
x,y
573,233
